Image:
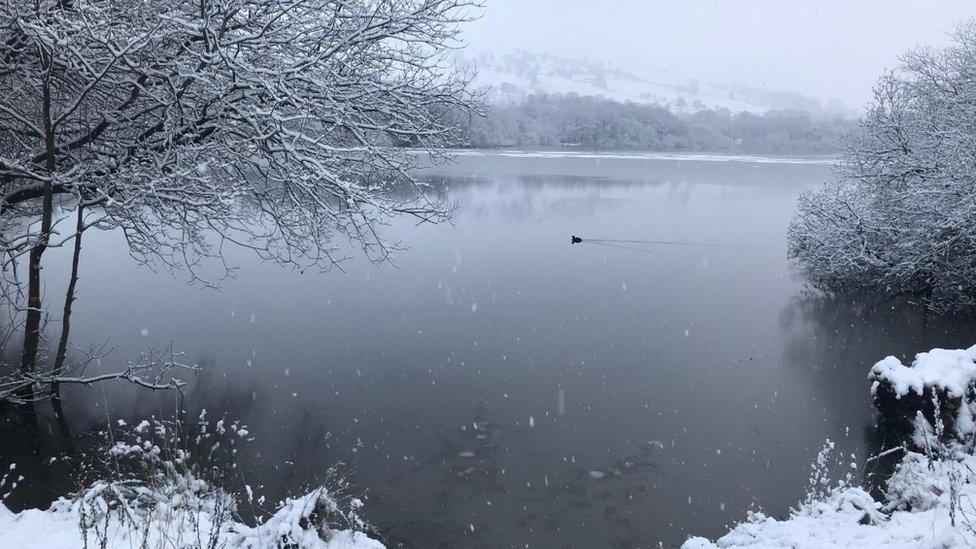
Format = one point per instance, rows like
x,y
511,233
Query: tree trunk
x,y
32,323
69,300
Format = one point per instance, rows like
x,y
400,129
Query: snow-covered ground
x,y
929,501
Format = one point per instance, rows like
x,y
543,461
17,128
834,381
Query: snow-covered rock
x,y
941,377
952,371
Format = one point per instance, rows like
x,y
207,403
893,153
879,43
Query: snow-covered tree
x,y
901,215
277,125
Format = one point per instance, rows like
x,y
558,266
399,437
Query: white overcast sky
x,y
820,48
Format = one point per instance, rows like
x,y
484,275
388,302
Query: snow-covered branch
x,y
278,125
275,122
154,370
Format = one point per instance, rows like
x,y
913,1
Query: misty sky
x,y
820,48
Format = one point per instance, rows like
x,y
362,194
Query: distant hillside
x,y
562,120
513,77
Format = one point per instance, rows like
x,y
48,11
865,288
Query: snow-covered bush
x,y
160,479
899,217
168,484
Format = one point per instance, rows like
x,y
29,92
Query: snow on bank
x,y
292,526
916,514
952,371
930,499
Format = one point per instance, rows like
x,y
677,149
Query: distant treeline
x,y
554,120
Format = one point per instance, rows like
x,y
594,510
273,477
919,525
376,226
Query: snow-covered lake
x,y
500,387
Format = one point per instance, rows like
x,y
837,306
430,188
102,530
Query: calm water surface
x,y
476,390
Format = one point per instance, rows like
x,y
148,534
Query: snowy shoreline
x,y
930,499
916,512
167,483
60,528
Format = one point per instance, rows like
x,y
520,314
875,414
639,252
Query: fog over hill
x,y
512,77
